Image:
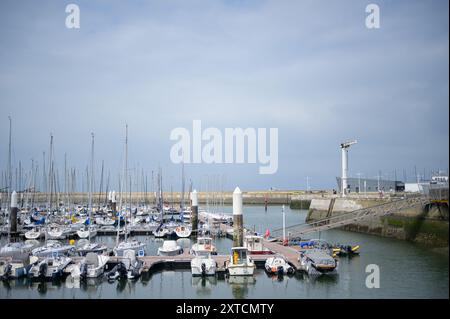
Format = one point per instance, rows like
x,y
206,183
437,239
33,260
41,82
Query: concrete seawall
x,y
427,225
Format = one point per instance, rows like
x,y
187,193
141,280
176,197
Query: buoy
x,y
72,242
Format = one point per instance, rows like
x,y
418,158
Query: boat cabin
x,y
239,255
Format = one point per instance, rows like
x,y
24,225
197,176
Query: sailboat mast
x,y
8,201
91,186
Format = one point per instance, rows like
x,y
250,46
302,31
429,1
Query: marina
x,y
172,278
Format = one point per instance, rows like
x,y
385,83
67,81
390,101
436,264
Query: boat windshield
x,y
239,255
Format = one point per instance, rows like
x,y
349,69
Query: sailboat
x,y
89,231
135,245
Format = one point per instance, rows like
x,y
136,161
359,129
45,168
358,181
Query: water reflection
x,y
240,285
204,286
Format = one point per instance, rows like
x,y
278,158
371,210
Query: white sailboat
x,y
136,246
33,233
183,231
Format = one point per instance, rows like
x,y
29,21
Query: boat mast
x,y
126,177
91,186
9,185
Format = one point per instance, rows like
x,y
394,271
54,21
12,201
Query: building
x,y
367,185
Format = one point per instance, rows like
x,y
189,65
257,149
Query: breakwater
x,y
426,224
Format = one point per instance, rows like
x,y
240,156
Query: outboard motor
x,y
83,271
7,274
122,270
280,271
203,269
43,270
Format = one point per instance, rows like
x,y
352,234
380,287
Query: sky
x,y
311,69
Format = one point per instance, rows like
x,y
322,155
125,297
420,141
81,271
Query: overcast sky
x,y
309,68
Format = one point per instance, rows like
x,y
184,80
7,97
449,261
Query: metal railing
x,y
351,217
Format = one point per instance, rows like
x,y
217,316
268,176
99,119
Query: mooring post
x,y
113,202
194,209
109,199
13,215
238,220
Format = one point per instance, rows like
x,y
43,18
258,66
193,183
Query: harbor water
x,y
407,270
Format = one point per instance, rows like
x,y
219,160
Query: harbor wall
x,y
423,224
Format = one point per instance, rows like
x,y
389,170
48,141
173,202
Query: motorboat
x,y
240,264
317,262
49,267
202,244
33,233
255,245
86,247
11,249
92,266
53,248
278,265
14,267
137,246
170,248
203,264
183,231
130,267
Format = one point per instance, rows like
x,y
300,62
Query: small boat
x,y
87,232
161,232
49,267
240,264
92,266
345,250
202,264
170,248
183,231
33,233
11,249
16,267
55,233
137,246
278,265
255,245
130,267
104,221
86,247
53,248
203,243
317,262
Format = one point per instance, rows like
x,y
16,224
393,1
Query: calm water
x,y
407,271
